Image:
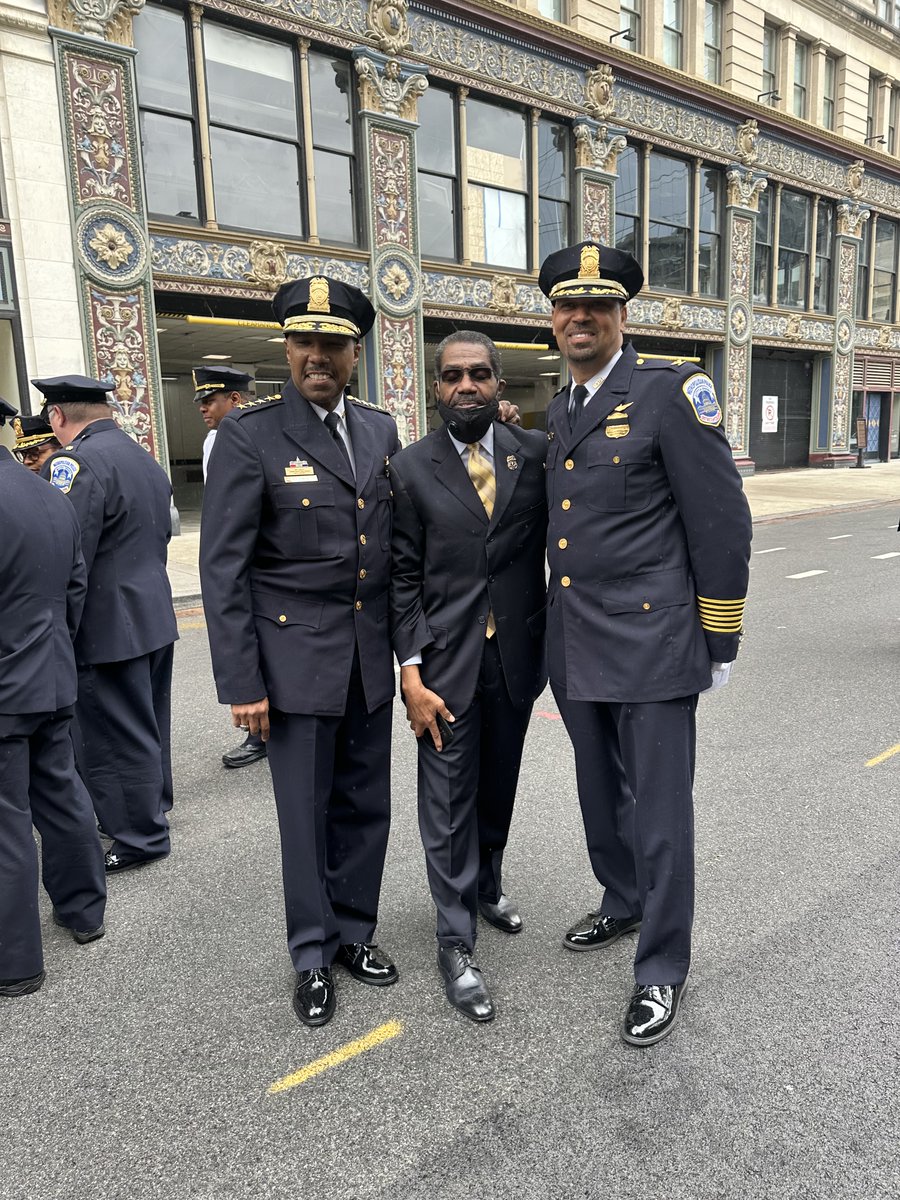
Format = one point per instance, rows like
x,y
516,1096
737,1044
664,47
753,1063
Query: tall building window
x,y
762,263
709,231
628,203
862,276
167,113
871,106
630,19
712,41
793,249
893,121
497,168
822,284
769,60
801,78
829,91
436,156
673,33
553,186
554,10
331,88
670,223
884,270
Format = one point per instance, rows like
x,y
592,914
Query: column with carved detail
x,y
109,220
389,91
597,148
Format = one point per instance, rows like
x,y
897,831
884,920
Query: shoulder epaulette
x,y
665,360
366,404
260,400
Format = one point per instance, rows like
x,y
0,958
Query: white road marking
x,y
837,537
806,574
772,551
891,554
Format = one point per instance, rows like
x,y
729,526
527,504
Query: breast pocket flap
x,y
303,496
645,593
281,610
619,452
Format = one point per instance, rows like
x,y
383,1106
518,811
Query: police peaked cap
x,y
32,431
73,389
590,271
216,379
323,305
7,412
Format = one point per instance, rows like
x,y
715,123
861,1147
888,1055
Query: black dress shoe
x,y
596,930
651,1013
314,996
248,752
21,987
367,964
81,936
502,915
464,983
114,861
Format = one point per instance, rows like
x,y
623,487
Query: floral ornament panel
x,y
391,187
111,246
199,259
397,351
397,283
119,354
99,133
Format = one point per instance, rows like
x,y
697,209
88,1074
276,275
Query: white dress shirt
x,y
595,381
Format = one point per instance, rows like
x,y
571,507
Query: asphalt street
x,y
142,1069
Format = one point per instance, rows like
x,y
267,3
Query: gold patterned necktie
x,y
486,486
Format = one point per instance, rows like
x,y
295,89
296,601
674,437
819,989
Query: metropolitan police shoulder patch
x,y
63,472
701,392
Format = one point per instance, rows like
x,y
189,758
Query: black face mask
x,y
469,424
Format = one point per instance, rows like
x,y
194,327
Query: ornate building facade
x,y
167,165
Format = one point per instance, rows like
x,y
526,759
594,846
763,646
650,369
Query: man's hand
x,y
422,706
721,673
253,716
509,413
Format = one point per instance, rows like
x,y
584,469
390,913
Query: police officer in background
x,y
125,642
648,547
294,565
35,442
42,591
217,390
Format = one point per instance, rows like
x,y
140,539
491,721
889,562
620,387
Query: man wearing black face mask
x,y
467,612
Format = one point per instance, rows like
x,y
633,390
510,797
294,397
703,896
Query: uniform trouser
x,y
332,783
634,764
466,796
123,746
39,785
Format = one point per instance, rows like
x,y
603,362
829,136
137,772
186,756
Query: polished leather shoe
x,y
314,996
502,915
651,1013
113,861
242,756
596,930
367,963
464,983
21,987
81,936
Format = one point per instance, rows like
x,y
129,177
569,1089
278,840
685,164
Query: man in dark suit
x,y
125,642
648,546
42,591
294,565
467,614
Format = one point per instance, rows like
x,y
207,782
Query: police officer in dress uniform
x,y
125,642
468,599
294,564
42,591
648,547
35,442
217,390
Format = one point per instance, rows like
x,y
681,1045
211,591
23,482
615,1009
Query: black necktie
x,y
333,421
576,403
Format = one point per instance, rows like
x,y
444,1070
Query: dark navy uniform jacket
x,y
295,556
122,498
42,591
649,535
451,565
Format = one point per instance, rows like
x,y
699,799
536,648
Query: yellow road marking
x,y
885,754
191,624
383,1033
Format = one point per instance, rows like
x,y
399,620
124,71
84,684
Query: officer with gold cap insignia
x,y
294,563
648,547
35,441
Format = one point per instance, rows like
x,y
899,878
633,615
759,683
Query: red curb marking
x,y
550,716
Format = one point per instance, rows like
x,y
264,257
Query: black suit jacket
x,y
451,566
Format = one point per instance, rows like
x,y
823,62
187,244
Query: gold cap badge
x,y
590,262
319,295
17,426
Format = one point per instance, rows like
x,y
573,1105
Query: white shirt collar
x,y
322,413
487,442
595,381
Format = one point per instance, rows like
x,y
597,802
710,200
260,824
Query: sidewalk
x,y
772,495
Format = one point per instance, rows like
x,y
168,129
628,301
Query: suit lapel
x,y
613,392
451,472
306,429
360,438
506,448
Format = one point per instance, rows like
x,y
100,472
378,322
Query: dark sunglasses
x,y
476,374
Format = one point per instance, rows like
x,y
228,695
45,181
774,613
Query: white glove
x,y
721,673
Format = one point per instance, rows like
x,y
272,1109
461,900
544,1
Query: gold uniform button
x,y
362,573
362,539
563,542
305,502
360,503
358,605
645,606
566,504
616,458
282,618
640,362
569,464
565,581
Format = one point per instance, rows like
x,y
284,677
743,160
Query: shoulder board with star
x,y
666,360
366,404
259,402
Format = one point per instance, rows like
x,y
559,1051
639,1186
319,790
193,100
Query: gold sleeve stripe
x,y
721,626
705,601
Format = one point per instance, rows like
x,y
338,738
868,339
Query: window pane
x,y
762,273
334,197
496,138
668,257
822,285
764,217
885,245
627,236
824,229
497,227
711,59
794,221
709,264
672,49
882,295
553,172
710,199
162,63
628,182
712,28
437,231
792,281
169,170
435,137
669,191
256,182
554,226
329,83
249,81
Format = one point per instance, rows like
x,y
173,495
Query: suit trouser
x,y
466,797
39,785
123,747
634,765
332,783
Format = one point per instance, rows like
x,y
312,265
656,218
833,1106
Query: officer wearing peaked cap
x,y
648,547
294,564
35,441
125,642
7,412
